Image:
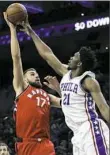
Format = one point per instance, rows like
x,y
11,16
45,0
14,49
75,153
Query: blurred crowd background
x,y
55,23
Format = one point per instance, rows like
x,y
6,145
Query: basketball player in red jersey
x,y
32,106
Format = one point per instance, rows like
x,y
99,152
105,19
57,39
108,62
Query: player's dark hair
x,y
88,59
30,69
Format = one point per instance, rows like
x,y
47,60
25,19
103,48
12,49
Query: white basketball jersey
x,y
77,105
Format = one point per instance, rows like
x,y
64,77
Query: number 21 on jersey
x,y
66,99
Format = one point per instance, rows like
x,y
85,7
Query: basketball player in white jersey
x,y
79,93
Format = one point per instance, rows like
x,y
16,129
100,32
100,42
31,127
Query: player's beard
x,y
69,68
35,84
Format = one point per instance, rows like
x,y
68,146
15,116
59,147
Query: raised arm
x,y
16,58
93,87
45,51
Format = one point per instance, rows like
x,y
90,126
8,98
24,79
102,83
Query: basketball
x,y
16,13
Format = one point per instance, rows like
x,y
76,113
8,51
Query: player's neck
x,y
76,72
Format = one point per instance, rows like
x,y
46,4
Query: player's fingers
x,y
27,18
45,83
47,77
55,77
5,15
50,76
22,30
22,23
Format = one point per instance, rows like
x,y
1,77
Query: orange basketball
x,y
16,13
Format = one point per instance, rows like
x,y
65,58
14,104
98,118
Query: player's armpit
x,y
55,101
93,87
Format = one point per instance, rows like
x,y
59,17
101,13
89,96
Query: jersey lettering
x,y
69,87
37,91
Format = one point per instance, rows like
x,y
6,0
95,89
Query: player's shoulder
x,y
90,83
88,73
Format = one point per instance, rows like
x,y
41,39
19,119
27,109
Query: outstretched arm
x,y
45,51
93,87
16,58
53,83
55,101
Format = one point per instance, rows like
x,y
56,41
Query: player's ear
x,y
79,64
25,79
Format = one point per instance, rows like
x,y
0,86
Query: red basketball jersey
x,y
32,113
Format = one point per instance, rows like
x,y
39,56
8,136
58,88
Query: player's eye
x,y
32,74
